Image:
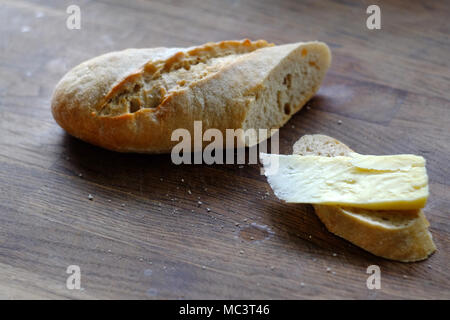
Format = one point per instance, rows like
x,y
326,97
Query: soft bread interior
x,y
288,86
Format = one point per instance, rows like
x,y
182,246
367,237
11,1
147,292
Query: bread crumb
x,y
203,267
182,180
80,175
200,203
334,254
339,122
189,191
241,251
90,197
302,284
328,270
208,209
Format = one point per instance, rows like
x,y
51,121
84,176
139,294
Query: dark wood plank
x,y
144,234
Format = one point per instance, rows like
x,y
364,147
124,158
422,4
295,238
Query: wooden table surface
x,y
144,234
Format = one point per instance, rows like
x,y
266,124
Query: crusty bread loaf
x,y
396,235
132,100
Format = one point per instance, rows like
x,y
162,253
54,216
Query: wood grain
x,y
144,234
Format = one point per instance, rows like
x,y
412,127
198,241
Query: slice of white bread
x,y
395,235
132,100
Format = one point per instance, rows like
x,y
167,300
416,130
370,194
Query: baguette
x,y
132,100
395,235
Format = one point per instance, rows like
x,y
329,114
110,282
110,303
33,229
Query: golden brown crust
x,y
395,235
81,102
408,242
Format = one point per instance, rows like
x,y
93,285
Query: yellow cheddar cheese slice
x,y
397,182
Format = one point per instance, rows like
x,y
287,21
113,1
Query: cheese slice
x,y
397,182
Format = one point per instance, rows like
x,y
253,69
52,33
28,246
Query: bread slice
x,y
132,100
396,235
